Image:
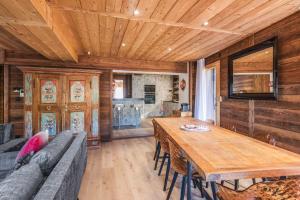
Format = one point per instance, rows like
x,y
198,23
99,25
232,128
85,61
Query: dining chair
x,y
164,143
277,190
178,165
157,143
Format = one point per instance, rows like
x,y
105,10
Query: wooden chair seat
x,y
288,189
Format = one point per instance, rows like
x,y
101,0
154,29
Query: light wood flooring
x,y
145,130
123,170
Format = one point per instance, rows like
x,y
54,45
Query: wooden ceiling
x,y
164,30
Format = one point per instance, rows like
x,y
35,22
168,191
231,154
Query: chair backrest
x,y
163,138
178,162
210,121
281,189
155,127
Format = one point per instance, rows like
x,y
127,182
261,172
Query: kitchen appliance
x,y
185,107
149,94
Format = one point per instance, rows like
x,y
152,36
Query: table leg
x,y
189,180
214,190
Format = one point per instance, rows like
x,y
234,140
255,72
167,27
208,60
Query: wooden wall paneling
x,y
192,84
6,94
268,119
2,56
16,103
106,105
1,94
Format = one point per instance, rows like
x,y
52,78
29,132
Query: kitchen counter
x,y
169,107
127,111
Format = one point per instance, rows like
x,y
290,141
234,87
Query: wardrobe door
x,y
78,103
48,101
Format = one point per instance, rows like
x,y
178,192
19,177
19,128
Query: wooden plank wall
x,y
1,94
16,104
106,105
192,81
258,119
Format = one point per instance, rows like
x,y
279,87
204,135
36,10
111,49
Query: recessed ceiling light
x,y
205,23
123,44
136,12
89,53
169,49
266,52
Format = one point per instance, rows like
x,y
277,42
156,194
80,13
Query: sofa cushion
x,y
21,184
51,154
5,133
64,181
7,162
13,145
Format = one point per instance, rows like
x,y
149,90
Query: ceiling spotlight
x,y
169,49
205,23
266,52
136,12
123,44
89,53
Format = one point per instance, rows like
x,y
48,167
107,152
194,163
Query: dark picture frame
x,y
273,42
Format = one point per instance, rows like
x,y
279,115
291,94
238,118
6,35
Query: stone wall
x,y
163,86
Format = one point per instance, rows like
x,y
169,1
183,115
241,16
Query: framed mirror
x,y
253,72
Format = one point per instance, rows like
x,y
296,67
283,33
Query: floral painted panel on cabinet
x,y
77,91
77,121
95,89
48,122
28,124
48,91
95,126
28,89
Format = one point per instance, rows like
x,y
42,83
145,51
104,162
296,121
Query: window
x,y
119,89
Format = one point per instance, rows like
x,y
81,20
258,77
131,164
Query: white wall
x,y
184,94
163,85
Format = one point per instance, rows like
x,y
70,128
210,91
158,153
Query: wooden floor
x,y
123,170
145,130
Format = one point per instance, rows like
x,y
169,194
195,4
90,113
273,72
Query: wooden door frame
x,y
217,66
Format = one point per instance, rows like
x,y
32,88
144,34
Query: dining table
x,y
220,154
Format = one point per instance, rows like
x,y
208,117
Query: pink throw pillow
x,y
33,145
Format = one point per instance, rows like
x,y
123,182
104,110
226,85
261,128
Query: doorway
x,y
213,85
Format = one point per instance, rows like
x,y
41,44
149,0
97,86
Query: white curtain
x,y
205,90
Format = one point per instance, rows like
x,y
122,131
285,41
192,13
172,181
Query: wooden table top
x,y
221,154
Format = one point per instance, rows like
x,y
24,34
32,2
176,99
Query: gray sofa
x,y
9,147
55,172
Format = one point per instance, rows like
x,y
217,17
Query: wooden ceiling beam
x,y
96,62
58,28
45,30
144,19
4,21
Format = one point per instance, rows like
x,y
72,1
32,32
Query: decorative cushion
x,y
51,154
21,184
33,145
